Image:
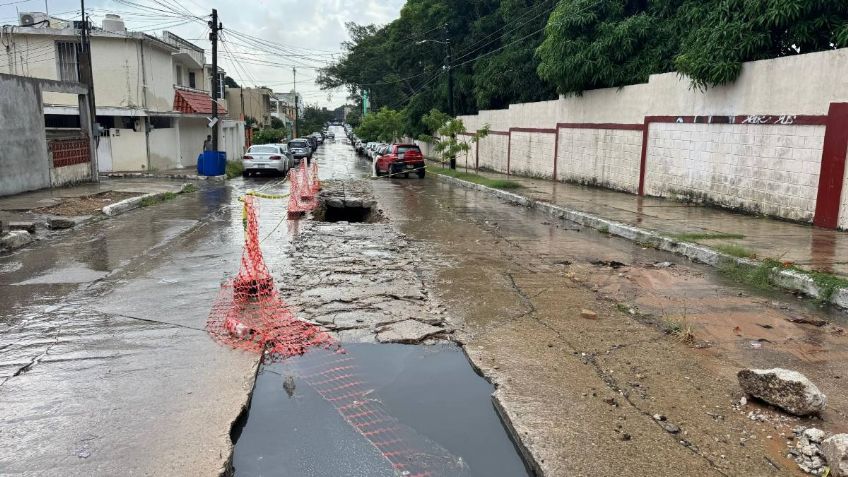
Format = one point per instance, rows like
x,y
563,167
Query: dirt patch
x,y
86,205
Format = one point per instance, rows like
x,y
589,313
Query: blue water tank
x,y
212,163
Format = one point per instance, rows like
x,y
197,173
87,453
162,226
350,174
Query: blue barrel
x,y
212,163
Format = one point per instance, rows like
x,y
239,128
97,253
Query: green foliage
x,y
605,43
502,55
444,132
277,123
726,33
234,169
475,178
734,250
313,120
386,125
269,136
230,83
696,236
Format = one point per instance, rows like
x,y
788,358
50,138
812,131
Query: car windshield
x,y
297,144
264,149
405,149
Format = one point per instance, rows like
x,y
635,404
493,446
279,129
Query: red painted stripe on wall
x,y
832,172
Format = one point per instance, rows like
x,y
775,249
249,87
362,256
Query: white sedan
x,y
267,157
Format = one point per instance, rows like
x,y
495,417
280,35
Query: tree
x,y
726,33
386,125
313,119
269,136
230,83
592,44
444,133
277,123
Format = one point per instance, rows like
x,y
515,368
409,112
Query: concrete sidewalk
x,y
806,246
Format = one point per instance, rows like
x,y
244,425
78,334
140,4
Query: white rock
x,y
789,390
814,435
835,451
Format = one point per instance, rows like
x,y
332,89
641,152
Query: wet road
x,y
105,366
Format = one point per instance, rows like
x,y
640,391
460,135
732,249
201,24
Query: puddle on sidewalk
x,y
291,429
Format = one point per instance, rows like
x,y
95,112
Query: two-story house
x,y
152,117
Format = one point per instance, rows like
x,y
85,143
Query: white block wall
x,y
493,150
604,157
768,169
532,154
843,209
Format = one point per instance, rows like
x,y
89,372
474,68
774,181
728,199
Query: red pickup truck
x,y
401,159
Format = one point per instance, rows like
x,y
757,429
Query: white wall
x,y
767,168
605,157
532,154
772,170
116,63
73,174
129,150
164,151
193,132
843,209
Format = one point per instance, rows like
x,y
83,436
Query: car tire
x,y
406,175
245,174
421,173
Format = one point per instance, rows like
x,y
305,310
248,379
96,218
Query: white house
x,y
151,94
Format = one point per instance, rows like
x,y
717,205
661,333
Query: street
x,y
106,368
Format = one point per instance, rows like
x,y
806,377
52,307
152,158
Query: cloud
x,y
311,28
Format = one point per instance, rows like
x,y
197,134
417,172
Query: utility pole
x,y
366,99
85,74
213,37
296,113
450,71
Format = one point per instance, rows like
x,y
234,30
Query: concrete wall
x,y
67,175
117,67
771,170
755,144
193,132
129,150
605,157
24,163
164,149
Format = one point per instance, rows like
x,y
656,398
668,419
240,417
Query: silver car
x,y
266,157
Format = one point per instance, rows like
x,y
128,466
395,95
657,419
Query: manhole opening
x,y
347,214
346,209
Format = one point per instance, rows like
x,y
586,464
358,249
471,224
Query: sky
x,y
302,33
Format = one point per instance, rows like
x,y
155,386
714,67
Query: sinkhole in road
x,y
290,429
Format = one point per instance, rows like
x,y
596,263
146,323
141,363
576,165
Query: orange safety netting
x,y
304,187
249,314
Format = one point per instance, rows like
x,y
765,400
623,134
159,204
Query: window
x,y
179,77
67,57
191,83
160,122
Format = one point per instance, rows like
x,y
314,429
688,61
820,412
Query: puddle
x,y
432,390
74,273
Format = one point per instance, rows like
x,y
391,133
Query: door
x,y
104,153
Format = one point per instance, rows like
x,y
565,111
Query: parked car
x,y
300,148
398,159
331,135
313,143
266,157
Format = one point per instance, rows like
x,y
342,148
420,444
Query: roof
x,y
195,102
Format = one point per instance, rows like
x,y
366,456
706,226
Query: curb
x,y
126,205
790,280
153,175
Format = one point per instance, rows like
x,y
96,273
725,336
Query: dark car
x,y
400,159
300,148
313,142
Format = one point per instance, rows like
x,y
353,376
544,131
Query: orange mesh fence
x,y
249,314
